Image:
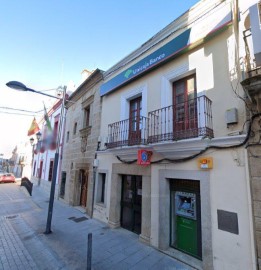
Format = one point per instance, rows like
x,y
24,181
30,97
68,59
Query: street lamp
x,y
21,87
38,136
32,141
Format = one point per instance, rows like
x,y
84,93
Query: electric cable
x,y
14,109
17,113
203,150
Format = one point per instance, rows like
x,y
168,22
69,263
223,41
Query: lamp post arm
x,y
41,93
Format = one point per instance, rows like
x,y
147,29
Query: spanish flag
x,y
34,128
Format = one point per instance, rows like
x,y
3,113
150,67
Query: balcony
x,y
185,120
128,132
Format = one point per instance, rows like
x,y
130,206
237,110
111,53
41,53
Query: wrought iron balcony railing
x,y
128,132
189,119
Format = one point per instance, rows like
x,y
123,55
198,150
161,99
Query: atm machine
x,y
186,222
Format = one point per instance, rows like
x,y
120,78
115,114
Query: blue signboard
x,y
168,51
159,56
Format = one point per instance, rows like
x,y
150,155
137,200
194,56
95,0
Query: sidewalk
x,y
23,245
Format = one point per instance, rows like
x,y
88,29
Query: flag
x,y
47,120
33,128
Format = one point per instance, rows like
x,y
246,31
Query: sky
x,y
48,43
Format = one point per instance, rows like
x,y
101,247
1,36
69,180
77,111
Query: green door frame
x,y
190,186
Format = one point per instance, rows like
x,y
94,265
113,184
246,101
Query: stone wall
x,y
74,158
254,155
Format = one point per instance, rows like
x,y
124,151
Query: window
x,y
75,128
50,175
87,106
67,136
87,114
100,198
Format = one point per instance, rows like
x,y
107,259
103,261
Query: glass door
x,y
131,203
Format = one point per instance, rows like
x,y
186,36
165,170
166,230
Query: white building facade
x,y
45,149
173,166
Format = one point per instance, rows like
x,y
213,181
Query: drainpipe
x,y
93,189
95,165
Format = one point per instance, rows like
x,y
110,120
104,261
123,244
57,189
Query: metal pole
x,y
93,189
89,252
55,168
52,192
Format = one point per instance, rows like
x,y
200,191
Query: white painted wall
x,y
214,65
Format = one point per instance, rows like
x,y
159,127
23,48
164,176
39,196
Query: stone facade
x,y
251,83
80,142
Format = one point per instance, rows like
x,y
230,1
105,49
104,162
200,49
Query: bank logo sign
x,y
128,73
170,50
147,63
152,61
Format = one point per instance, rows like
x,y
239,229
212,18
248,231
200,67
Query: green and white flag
x,y
47,120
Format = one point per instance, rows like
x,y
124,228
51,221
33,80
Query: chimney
x,y
85,74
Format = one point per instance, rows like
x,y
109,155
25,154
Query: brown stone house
x,y
80,143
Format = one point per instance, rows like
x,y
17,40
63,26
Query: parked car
x,y
7,178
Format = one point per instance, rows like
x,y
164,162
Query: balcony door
x,y
185,120
135,121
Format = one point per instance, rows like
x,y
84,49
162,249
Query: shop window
x,y
100,196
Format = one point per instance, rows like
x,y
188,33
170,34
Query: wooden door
x,y
185,108
135,121
83,177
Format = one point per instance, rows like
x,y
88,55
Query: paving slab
x,y
23,244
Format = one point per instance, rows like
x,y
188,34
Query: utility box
x,y
231,116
